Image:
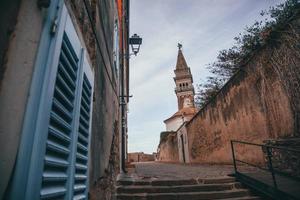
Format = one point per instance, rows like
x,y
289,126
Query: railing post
x,y
269,154
233,157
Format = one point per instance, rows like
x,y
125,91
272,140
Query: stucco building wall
x,y
15,75
174,123
260,102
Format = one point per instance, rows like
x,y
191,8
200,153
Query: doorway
x,y
182,148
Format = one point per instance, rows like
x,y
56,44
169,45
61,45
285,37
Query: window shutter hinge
x,y
53,28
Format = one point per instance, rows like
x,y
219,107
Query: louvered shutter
x,y
58,146
82,146
53,156
65,172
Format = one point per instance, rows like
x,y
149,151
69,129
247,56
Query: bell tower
x,y
184,82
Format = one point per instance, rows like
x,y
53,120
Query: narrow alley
x,y
149,100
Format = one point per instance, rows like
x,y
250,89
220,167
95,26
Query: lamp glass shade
x,y
135,41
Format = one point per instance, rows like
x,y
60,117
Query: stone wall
x,y
140,157
261,101
168,147
104,162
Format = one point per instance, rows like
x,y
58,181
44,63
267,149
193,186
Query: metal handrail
x,y
265,145
250,164
266,149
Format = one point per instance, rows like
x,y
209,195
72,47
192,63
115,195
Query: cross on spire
x,y
179,46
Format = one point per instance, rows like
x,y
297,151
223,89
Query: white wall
x,y
174,124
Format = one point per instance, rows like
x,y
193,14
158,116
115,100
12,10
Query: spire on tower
x,y
181,63
184,82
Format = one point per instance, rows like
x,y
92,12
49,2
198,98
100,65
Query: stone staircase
x,y
224,188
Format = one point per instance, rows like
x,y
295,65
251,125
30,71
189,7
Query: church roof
x,y
183,112
181,63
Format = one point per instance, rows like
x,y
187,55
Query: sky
x,y
203,27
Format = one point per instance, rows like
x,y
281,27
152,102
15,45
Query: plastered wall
x,y
260,102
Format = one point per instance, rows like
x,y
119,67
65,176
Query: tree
x,y
206,91
229,61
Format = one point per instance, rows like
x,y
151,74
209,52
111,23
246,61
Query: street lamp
x,y
135,41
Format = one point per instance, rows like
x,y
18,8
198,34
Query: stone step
x,y
185,195
174,182
178,188
158,182
218,180
177,182
244,198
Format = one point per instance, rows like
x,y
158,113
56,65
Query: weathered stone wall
x,y
168,147
262,101
140,157
80,14
104,161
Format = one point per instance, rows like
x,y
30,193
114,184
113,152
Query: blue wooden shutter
x,y
53,158
56,162
65,173
82,146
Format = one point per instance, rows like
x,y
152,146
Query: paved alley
x,y
166,181
180,171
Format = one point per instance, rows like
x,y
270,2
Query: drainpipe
x,y
123,123
124,98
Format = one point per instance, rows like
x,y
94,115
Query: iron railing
x,y
289,182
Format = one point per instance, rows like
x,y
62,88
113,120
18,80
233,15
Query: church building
x,y
185,93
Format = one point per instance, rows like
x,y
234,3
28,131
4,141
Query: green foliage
x,y
207,90
229,61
